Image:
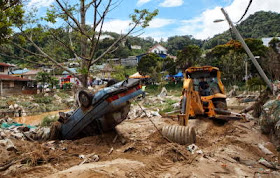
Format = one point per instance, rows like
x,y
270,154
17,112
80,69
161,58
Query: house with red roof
x,y
10,84
158,49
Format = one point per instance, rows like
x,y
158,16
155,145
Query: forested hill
x,y
259,25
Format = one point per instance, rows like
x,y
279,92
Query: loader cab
x,y
206,80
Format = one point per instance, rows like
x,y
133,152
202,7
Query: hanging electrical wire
x,y
250,2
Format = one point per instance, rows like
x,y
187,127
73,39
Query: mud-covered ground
x,y
136,149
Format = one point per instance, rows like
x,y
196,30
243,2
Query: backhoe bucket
x,y
180,134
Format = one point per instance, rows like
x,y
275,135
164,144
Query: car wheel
x,y
85,98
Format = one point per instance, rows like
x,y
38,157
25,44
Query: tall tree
x,y
189,56
75,18
11,14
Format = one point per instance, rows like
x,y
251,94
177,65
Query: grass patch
x,y
48,120
172,88
44,99
63,95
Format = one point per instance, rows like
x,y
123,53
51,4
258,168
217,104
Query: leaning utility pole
x,y
250,54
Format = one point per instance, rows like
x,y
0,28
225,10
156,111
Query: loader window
x,y
210,78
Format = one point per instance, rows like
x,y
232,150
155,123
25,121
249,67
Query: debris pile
x,y
13,130
137,112
270,120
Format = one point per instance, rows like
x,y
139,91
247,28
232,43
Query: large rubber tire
x,y
180,134
85,99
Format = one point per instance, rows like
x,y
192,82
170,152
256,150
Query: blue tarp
x,y
17,72
74,70
179,74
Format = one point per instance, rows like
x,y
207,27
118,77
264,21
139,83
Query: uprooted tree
x,y
75,18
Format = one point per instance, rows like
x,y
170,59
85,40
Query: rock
x,y
17,135
3,135
8,144
176,105
46,94
163,92
35,105
58,99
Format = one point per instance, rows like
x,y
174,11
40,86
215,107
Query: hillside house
x,y
10,84
5,68
158,49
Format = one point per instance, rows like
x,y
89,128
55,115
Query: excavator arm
x,y
191,103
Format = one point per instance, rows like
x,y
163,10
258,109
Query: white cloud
x,y
159,22
118,26
171,3
39,3
122,26
203,27
141,2
157,35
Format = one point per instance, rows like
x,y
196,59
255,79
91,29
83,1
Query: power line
x,y
250,2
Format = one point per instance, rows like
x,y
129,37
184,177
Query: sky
x,y
176,17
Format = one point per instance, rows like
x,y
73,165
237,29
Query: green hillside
x,y
259,25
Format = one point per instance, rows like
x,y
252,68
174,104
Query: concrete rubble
x,y
137,112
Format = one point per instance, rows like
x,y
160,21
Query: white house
x,y
158,49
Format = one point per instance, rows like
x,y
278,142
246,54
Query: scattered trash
x,y
192,148
82,156
176,105
93,158
264,149
89,158
111,151
267,164
199,152
163,92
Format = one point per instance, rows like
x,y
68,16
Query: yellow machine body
x,y
193,103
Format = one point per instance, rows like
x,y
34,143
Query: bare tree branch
x,y
48,57
21,58
102,19
119,40
73,19
26,50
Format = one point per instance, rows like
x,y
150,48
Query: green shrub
x,y
44,99
48,120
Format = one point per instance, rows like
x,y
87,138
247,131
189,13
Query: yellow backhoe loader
x,y
203,96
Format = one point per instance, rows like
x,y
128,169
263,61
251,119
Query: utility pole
x,y
246,72
250,54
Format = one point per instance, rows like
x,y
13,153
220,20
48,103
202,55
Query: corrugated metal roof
x,y
73,70
12,78
6,65
17,72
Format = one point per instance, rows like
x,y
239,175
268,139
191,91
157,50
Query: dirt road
x,y
224,150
